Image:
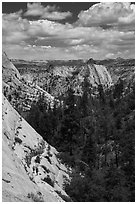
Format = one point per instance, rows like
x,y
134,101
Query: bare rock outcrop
x,y
9,71
19,91
31,170
97,75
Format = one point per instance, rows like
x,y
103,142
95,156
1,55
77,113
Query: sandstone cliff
x,y
30,168
20,92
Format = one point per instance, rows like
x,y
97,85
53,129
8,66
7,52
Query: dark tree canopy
x,y
95,136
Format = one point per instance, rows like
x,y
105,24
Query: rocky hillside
x,y
30,168
57,77
20,92
123,68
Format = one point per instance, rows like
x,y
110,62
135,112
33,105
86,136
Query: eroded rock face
x,y
9,71
30,168
57,78
97,75
63,77
20,92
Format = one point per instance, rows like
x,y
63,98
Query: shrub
x,y
36,198
18,140
64,197
35,152
48,151
47,157
37,160
19,127
9,98
45,168
48,180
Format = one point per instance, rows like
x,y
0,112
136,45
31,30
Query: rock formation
x,y
57,78
31,170
97,74
29,166
19,91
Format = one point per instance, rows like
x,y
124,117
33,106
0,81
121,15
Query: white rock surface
x,y
22,172
21,91
97,75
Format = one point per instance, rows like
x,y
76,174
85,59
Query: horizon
x,y
68,30
75,59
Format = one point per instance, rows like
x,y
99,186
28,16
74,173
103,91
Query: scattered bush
x,y
48,151
37,160
48,180
45,168
19,127
35,152
36,198
18,140
47,157
64,197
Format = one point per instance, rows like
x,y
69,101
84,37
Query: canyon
x,y
31,169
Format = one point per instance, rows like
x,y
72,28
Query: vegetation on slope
x,y
95,137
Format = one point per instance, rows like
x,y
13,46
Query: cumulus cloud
x,y
108,14
14,28
12,16
48,12
84,39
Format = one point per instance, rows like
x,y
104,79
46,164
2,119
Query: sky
x,y
68,30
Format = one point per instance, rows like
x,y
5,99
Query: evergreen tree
x,y
69,127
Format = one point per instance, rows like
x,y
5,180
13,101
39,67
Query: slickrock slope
x,y
9,71
97,74
20,92
63,77
30,168
119,68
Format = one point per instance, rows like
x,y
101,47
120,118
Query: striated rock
x,y
119,68
30,168
56,78
9,71
97,74
20,92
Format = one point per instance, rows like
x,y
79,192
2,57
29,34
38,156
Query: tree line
x,y
94,135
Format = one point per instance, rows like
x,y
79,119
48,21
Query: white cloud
x,y
69,40
14,28
34,9
75,41
56,15
111,14
12,16
45,47
48,12
109,55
